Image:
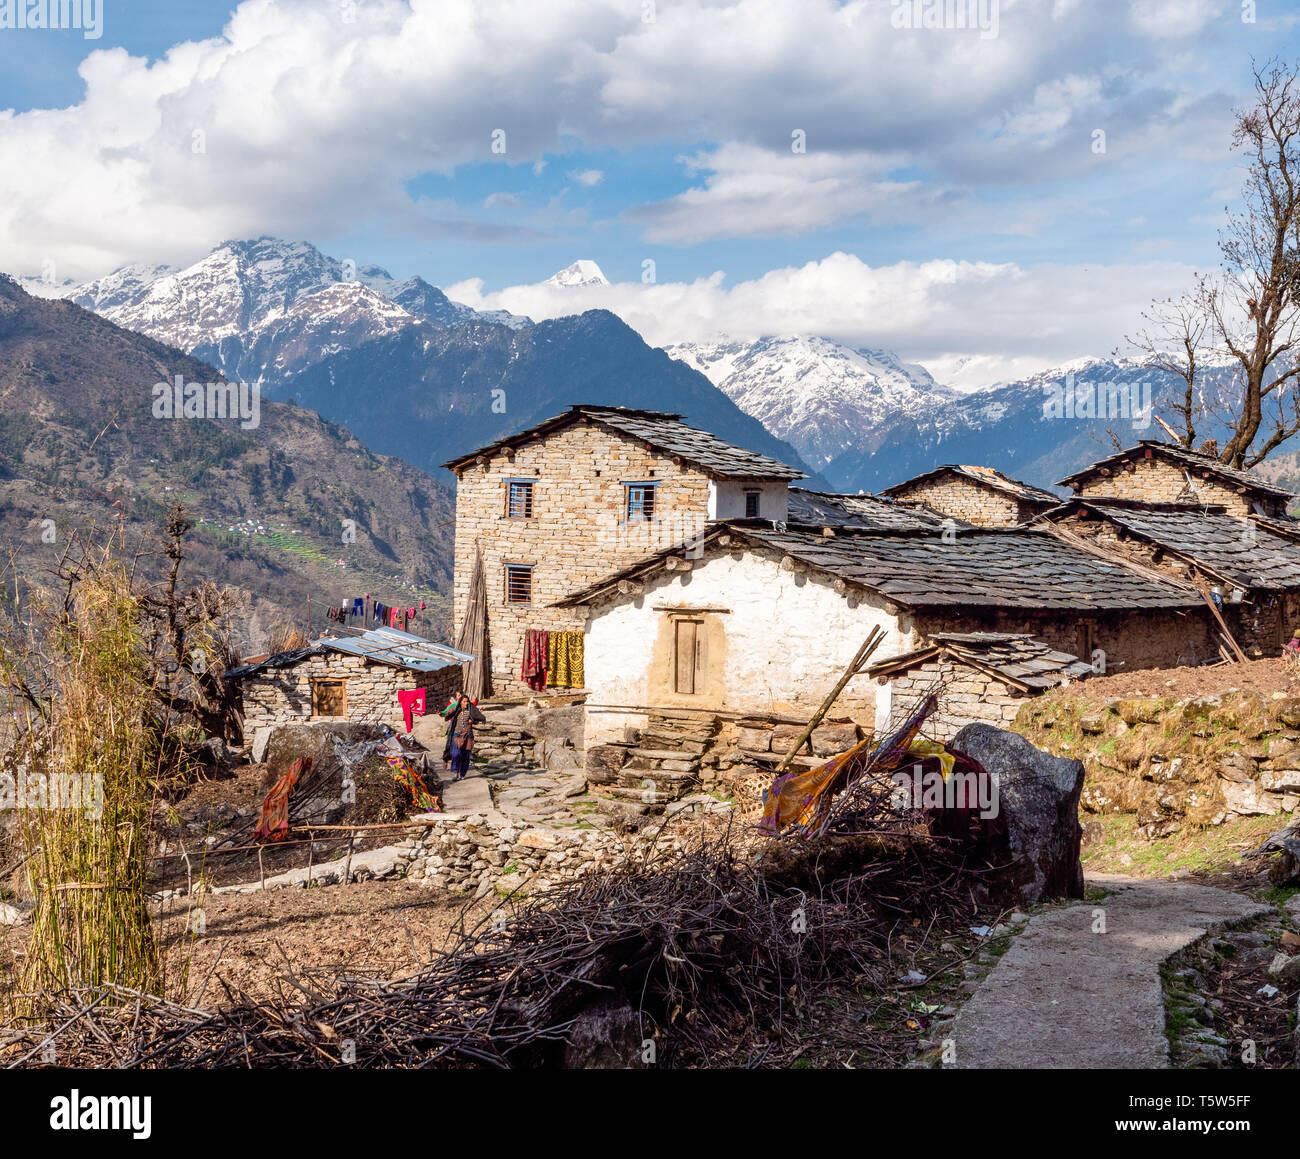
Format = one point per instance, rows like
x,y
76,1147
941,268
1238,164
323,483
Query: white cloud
x,y
587,177
1013,319
299,122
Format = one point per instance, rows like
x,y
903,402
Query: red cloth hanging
x,y
413,704
533,669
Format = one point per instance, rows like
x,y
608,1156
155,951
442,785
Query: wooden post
x,y
1223,625
869,645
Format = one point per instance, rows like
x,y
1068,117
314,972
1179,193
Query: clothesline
x,y
368,611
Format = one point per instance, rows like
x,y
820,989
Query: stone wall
x,y
968,696
1159,481
967,500
1131,640
283,695
577,532
1175,762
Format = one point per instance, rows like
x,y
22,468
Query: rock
x,y
757,740
1287,710
1236,767
537,839
607,1035
1137,711
602,762
550,754
574,786
1038,804
11,915
1248,800
261,738
1284,968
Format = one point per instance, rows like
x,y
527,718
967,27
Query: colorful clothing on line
x,y
564,660
274,825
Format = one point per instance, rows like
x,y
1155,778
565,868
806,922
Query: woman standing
x,y
460,735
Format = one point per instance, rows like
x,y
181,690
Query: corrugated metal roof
x,y
382,645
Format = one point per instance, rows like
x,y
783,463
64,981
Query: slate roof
x,y
382,645
1023,661
664,432
867,511
970,568
1191,461
1243,552
987,477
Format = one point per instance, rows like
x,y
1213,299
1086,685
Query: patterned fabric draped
x,y
564,660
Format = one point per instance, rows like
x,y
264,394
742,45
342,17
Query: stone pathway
x,y
472,795
1065,997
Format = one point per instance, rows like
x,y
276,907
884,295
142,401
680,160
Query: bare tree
x,y
1174,340
1250,314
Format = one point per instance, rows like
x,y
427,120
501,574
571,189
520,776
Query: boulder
x,y
607,1035
553,754
602,762
1038,803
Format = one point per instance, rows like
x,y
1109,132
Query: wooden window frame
x,y
530,485
518,567
316,682
651,486
756,495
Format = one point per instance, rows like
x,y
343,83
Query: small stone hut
x,y
354,678
974,494
985,676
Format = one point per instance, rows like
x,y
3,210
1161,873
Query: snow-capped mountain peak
x,y
583,272
820,395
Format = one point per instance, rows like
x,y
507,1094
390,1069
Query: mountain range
x,y
406,369
279,502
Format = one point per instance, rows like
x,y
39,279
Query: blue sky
x,y
951,201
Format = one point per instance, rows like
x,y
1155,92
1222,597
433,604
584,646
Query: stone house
x,y
1156,472
985,677
756,619
558,505
353,678
978,495
1251,566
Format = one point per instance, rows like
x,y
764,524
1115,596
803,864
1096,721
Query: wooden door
x,y
689,659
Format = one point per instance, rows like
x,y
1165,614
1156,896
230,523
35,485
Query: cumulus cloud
x,y
1012,319
313,119
587,177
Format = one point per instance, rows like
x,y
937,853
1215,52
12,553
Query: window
x,y
640,500
329,698
751,504
688,656
519,583
519,505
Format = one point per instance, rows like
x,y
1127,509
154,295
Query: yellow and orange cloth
x,y
803,798
564,660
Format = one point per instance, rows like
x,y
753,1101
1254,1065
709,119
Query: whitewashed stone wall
x,y
778,641
283,695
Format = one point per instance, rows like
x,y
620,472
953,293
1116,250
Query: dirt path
x,y
1068,995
